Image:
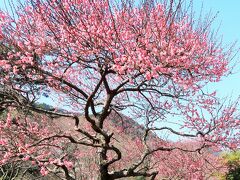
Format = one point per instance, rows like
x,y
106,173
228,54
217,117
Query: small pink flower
x,y
43,171
68,164
8,120
148,76
26,158
3,142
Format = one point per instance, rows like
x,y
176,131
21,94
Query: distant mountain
x,y
120,121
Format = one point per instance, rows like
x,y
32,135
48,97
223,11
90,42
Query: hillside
x,y
126,131
126,137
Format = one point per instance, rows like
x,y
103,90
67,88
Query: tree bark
x,y
103,168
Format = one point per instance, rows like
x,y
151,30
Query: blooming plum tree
x,y
103,59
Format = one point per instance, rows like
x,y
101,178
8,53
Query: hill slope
x,y
82,160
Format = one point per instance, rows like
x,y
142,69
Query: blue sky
x,y
228,19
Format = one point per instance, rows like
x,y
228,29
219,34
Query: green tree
x,y
233,163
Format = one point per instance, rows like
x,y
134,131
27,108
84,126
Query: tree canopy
x,y
107,60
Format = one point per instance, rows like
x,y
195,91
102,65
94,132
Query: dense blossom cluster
x,y
128,40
